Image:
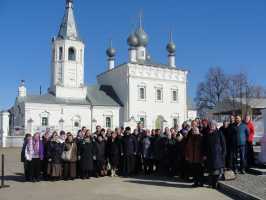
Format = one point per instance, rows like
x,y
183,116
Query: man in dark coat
x,y
146,152
129,151
100,153
156,148
214,151
231,144
242,139
225,131
113,149
86,154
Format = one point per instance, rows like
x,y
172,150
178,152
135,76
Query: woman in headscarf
x,y
193,153
100,152
54,154
78,141
26,157
214,152
45,141
37,156
86,154
113,152
71,152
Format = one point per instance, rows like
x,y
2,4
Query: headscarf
x,y
36,143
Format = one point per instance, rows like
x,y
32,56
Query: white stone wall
x,y
118,79
55,112
66,72
192,114
99,114
152,78
4,127
126,80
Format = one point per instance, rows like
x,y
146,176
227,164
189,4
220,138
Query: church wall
x,y
99,114
66,72
118,79
73,117
150,108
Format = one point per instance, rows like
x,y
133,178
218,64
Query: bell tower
x,y
67,73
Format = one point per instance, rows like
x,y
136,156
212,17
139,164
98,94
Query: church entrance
x,y
159,122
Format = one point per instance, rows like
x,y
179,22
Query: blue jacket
x,y
242,134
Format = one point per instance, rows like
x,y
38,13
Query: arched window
x,y
108,122
71,54
60,53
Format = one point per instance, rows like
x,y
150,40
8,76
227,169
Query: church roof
x,y
51,99
103,96
68,28
96,96
154,64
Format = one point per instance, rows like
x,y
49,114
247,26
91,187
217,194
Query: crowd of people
x,y
196,149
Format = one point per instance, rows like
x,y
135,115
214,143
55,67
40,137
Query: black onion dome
x,y
110,52
142,37
171,48
132,40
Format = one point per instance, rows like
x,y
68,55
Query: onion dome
x,y
110,52
171,48
132,40
142,37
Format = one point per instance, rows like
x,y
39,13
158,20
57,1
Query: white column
x,y
4,129
132,54
22,90
171,60
111,63
262,155
141,53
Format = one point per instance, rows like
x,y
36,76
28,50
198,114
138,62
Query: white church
x,y
138,90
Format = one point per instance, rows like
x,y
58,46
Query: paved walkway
x,y
99,189
251,184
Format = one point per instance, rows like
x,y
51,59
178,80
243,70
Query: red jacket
x,y
251,131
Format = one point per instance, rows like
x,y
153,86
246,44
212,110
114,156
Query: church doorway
x,y
159,122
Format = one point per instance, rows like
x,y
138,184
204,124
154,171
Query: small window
x,y
60,53
108,122
44,121
175,122
142,120
76,124
142,93
174,95
159,95
71,54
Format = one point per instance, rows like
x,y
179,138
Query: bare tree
x,y
211,91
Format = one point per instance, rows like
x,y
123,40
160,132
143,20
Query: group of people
x,y
195,149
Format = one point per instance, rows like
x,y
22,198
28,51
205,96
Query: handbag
x,y
66,155
229,175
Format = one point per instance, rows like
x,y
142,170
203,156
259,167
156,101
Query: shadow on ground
x,y
160,181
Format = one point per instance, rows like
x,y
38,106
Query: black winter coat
x,y
129,145
157,147
100,150
113,150
214,149
231,138
86,153
54,152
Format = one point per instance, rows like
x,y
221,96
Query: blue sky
x,y
229,33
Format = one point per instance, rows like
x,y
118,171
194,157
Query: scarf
x,y
36,146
